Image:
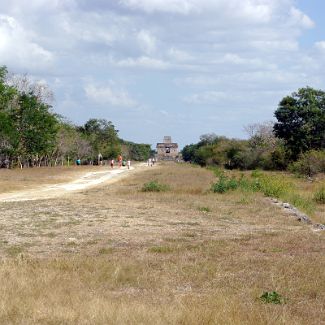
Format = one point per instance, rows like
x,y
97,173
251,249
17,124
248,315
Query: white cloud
x,y
91,28
109,95
320,45
177,6
18,49
146,41
143,62
297,17
207,97
23,6
275,45
179,55
249,10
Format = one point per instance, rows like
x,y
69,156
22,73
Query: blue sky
x,y
167,67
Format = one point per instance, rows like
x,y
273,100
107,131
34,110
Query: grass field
x,y
115,254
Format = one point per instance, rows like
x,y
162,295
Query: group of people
x,y
120,161
151,161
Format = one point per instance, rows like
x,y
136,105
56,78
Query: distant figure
x,y
78,162
112,163
128,164
153,161
119,159
100,159
149,162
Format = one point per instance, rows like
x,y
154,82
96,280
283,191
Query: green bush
x,y
224,184
309,163
204,209
274,186
319,196
272,297
154,186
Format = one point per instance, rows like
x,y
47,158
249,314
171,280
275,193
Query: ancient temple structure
x,y
167,150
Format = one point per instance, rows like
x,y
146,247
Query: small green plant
x,y
105,250
272,297
224,184
204,209
319,196
232,184
154,186
256,173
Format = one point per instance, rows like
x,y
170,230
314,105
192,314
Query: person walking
x,y
112,163
128,164
119,159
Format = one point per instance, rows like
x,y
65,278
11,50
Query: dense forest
x,y
296,141
31,134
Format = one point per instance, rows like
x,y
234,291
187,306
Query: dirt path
x,y
89,179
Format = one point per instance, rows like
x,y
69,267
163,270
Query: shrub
x,y
319,196
272,297
154,186
220,186
224,184
309,163
204,209
274,186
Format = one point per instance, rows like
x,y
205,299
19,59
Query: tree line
x,y
31,134
296,141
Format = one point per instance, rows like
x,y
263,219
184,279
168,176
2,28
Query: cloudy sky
x,y
167,67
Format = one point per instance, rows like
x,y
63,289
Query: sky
x,y
167,67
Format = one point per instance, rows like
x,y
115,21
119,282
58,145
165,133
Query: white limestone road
x,y
90,179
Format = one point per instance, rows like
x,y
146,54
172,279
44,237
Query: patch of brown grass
x,y
117,255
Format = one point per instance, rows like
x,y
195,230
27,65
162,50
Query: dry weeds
x,y
117,255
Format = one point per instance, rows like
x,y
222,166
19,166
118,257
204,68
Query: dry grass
x,y
117,255
22,179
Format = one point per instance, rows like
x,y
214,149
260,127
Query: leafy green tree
x,y
136,151
8,135
301,121
103,137
189,152
71,144
36,126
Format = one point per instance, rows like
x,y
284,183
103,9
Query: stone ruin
x,y
167,150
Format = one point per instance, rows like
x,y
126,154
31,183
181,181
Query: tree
x,y
136,151
36,126
103,137
301,121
